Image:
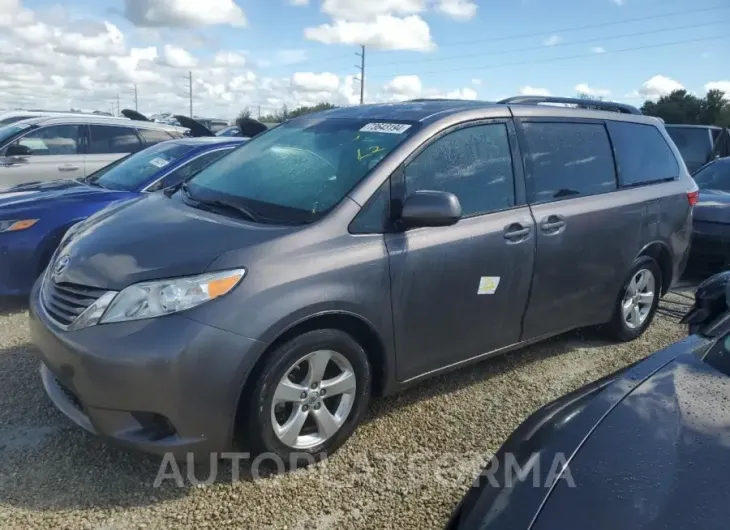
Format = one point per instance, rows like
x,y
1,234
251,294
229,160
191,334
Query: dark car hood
x,y
154,237
659,460
57,192
713,206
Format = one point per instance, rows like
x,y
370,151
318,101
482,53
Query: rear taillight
x,y
693,196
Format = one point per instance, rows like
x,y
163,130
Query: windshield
x,y
714,176
8,131
137,169
301,169
694,145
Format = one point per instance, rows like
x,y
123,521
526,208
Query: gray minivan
x,y
350,253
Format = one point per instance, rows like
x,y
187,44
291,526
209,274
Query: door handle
x,y
552,223
516,232
68,167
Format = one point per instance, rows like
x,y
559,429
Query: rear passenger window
x,y
110,139
473,163
642,154
568,160
152,137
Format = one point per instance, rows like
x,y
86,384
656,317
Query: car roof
x,y
49,113
101,120
426,110
688,126
209,140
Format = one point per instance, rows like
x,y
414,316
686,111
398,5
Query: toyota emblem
x,y
61,265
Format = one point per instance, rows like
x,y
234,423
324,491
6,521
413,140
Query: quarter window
x,y
642,154
473,163
53,140
568,160
110,139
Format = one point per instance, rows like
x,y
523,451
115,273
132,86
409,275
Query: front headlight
x,y
158,298
16,225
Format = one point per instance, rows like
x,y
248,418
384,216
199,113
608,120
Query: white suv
x,y
49,148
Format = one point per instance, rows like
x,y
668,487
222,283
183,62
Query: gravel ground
x,y
406,467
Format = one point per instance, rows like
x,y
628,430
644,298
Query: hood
x,y
154,237
196,128
659,460
57,192
713,207
250,127
134,115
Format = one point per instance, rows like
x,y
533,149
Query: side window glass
x,y
108,139
53,140
642,154
188,170
374,216
568,160
152,137
473,163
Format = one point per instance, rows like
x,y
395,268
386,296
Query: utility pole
x,y
118,107
190,91
259,112
361,67
135,98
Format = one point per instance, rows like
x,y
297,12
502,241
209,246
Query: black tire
x,y
258,431
617,328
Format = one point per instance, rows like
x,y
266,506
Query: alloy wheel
x,y
638,299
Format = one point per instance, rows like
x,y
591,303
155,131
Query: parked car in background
x,y
34,217
642,449
354,252
12,116
711,220
231,130
49,148
700,144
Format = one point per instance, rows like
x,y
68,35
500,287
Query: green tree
x,y
285,114
681,107
245,113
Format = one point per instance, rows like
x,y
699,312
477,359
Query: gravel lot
x,y
406,467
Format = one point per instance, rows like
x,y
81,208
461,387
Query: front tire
x,y
638,301
308,399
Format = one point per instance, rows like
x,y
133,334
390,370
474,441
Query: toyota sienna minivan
x,y
348,254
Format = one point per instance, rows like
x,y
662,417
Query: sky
x,y
262,54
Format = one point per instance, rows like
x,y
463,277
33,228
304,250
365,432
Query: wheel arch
x,y
659,251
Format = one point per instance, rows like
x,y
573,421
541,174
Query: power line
x,y
362,73
543,47
587,26
563,58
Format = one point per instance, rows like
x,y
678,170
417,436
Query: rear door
x,y
587,233
109,142
460,291
56,153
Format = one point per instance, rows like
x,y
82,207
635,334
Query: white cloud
x,y
404,87
533,91
462,93
184,13
369,10
177,57
225,58
658,86
583,88
313,82
476,82
719,85
598,49
109,41
552,40
458,9
386,32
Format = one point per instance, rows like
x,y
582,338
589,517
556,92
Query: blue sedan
x,y
35,216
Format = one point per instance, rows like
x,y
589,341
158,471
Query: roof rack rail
x,y
585,103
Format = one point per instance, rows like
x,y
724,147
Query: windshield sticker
x,y
488,284
389,128
159,162
368,152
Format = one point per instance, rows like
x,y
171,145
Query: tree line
x,y
679,107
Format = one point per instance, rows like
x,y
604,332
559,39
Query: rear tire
x,y
637,303
317,384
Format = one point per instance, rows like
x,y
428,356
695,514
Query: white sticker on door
x,y
488,284
390,128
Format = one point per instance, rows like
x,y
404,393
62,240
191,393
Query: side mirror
x,y
18,150
430,208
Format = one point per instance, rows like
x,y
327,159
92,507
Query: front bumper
x,y
166,385
19,263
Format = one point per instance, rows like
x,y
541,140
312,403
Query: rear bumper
x,y
167,385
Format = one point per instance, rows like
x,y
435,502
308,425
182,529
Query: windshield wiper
x,y
223,205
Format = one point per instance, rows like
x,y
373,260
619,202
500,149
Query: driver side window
x,y
474,163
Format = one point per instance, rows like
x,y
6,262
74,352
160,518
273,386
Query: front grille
x,y
70,395
64,302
